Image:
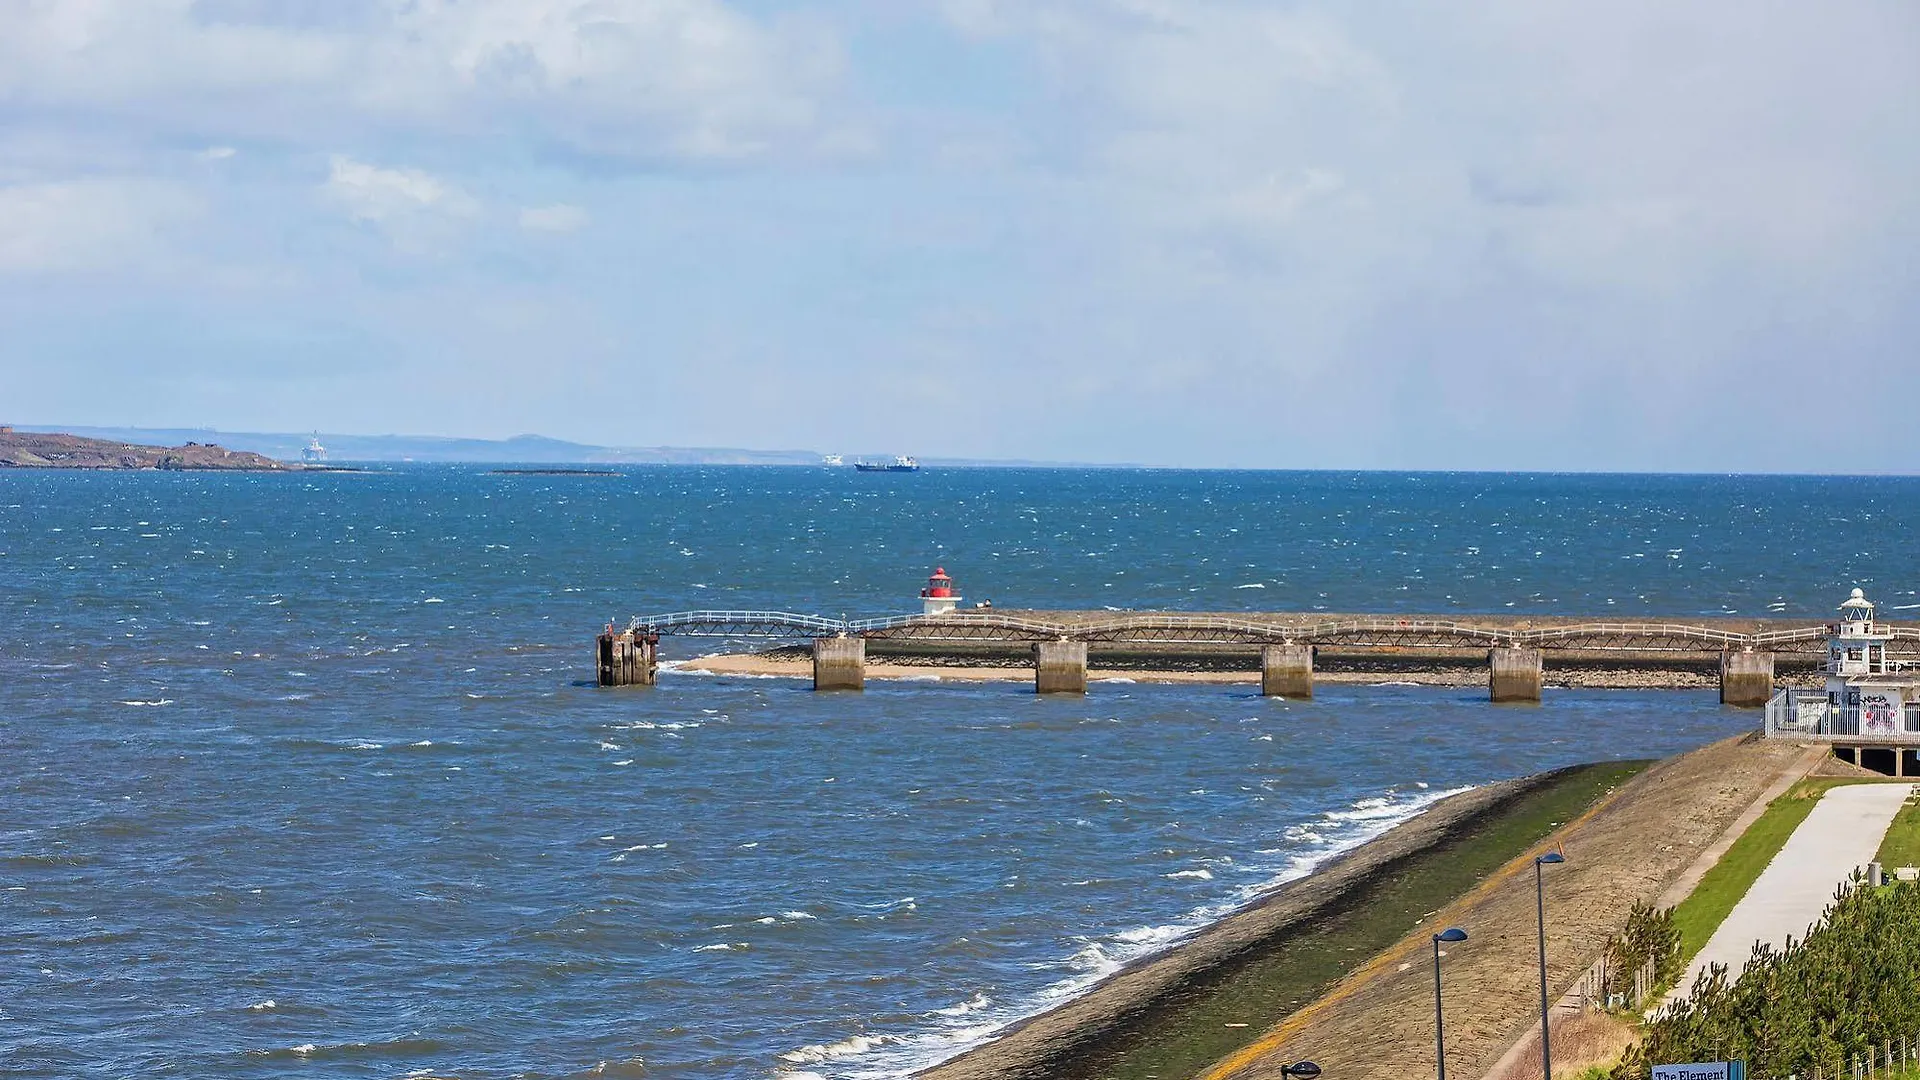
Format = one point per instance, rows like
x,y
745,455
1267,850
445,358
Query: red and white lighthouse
x,y
939,597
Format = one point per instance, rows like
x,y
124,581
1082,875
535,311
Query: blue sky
x,y
1400,235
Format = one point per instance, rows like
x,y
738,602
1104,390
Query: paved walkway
x,y
1839,836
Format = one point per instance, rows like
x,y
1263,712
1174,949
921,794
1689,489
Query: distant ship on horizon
x,y
833,459
313,451
900,463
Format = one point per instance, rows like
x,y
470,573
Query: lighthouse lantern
x,y
939,597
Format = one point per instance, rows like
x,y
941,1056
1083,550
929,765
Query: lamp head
x,y
1451,933
1550,858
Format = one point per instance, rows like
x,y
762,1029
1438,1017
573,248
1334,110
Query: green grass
x,y
1214,1020
1701,913
1902,844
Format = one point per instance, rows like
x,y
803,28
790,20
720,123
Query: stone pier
x,y
1286,671
626,658
840,663
1060,667
1513,674
1746,678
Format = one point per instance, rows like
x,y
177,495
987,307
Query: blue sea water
x,y
306,774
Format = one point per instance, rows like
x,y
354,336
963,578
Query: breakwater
x,y
1748,653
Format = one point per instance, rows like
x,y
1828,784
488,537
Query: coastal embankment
x,y
1336,967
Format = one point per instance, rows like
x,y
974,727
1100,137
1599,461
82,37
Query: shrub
x,y
1854,982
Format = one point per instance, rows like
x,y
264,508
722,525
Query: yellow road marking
x,y
1292,1025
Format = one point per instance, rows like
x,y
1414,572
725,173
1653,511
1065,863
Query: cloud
x,y
417,210
656,79
558,218
217,153
94,225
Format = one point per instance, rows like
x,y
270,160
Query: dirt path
x,y
1377,1024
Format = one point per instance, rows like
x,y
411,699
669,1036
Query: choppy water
x,y
305,771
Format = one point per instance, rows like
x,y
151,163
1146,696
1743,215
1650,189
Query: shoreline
x,y
782,664
1090,1029
1163,1015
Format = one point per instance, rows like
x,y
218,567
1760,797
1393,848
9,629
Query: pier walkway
x,y
1513,648
1841,835
1156,628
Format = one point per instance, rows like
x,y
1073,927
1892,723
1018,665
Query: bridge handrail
x,y
1115,628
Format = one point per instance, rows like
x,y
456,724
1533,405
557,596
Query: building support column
x,y
626,658
1513,674
1746,678
1060,667
840,663
1286,671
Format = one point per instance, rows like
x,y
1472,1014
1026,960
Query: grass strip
x,y
1901,846
1702,912
1232,1009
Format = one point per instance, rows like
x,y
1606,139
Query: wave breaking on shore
x,y
944,1034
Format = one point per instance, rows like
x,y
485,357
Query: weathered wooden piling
x,y
1286,671
1060,667
840,663
1513,674
1746,678
626,658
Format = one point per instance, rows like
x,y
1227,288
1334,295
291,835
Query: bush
x,y
1853,983
1650,934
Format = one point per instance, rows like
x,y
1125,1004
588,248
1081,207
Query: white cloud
x,y
103,225
217,153
634,78
418,210
558,218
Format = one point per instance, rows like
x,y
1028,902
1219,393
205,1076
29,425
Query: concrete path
x,y
1841,834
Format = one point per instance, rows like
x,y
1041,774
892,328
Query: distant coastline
x,y
57,450
518,450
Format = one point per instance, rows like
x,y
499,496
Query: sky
x,y
1504,235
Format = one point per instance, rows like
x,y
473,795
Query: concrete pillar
x,y
840,663
1060,667
1286,671
1514,674
1746,678
627,658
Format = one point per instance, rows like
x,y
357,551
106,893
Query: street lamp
x,y
1551,858
1450,935
1300,1068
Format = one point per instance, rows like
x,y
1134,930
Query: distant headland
x,y
35,450
518,450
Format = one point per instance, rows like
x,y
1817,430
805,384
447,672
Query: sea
x,y
307,775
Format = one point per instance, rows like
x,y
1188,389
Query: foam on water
x,y
1034,833
940,1037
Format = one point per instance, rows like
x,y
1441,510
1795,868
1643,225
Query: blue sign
x,y
1702,1070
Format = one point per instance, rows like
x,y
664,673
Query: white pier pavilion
x,y
1869,709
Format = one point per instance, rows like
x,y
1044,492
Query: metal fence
x,y
1893,1058
1810,714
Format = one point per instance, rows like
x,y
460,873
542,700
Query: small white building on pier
x,y
1869,708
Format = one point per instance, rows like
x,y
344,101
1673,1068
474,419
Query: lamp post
x,y
1540,907
1301,1069
1451,934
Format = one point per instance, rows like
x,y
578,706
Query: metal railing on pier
x,y
1811,714
1383,631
